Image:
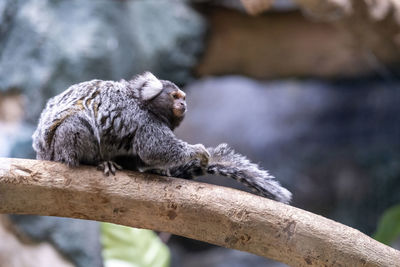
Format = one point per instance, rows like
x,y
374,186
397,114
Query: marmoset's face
x,y
179,103
173,99
170,104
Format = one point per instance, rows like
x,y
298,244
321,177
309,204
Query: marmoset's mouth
x,y
179,111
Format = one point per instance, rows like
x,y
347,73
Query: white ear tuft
x,y
148,85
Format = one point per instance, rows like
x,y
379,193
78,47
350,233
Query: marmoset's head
x,y
163,98
169,104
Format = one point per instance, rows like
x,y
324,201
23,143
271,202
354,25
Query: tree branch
x,y
336,9
214,214
324,7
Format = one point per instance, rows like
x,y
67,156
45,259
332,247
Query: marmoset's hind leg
x,y
74,143
109,166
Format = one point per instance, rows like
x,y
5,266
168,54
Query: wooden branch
x,y
256,7
334,9
205,212
323,8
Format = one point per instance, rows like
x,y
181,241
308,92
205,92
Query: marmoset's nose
x,y
183,107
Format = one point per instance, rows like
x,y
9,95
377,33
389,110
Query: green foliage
x,y
389,225
131,247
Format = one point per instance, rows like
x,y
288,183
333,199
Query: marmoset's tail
x,y
226,162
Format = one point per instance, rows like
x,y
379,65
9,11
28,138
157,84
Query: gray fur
x,y
96,121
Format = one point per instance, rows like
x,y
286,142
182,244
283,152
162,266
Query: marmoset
x,y
97,122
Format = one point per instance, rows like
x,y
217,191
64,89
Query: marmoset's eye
x,y
175,96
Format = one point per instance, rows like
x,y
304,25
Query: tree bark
x,y
214,214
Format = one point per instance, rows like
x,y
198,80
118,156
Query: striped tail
x,y
226,162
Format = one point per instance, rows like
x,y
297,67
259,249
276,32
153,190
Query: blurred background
x,y
307,89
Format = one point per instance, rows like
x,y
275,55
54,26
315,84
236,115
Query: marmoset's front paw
x,y
202,154
108,166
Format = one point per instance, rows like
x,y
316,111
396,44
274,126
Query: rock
x,y
16,140
78,240
47,45
12,128
193,253
222,257
335,145
21,146
11,108
15,251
